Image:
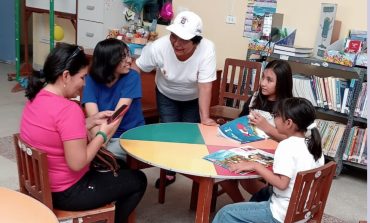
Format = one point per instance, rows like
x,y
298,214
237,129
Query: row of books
x,y
295,51
330,93
331,135
356,146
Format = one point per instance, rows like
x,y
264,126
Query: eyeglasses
x,y
126,56
275,115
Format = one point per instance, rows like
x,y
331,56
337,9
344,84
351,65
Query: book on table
x,y
224,158
293,54
242,131
294,49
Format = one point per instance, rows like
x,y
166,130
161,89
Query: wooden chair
x,y
236,87
34,181
310,192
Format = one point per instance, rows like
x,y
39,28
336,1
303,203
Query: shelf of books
x,y
339,94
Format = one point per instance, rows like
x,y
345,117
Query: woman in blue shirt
x,y
110,84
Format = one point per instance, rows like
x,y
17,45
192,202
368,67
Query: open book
x,y
241,130
225,157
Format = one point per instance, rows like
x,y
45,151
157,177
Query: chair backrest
x,y
239,78
310,192
33,171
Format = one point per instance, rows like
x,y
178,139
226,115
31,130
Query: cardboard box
x,y
324,34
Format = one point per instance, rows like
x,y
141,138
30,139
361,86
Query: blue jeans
x,y
249,212
114,146
177,111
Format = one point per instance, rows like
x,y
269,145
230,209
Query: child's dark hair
x,y
284,83
303,114
64,57
108,54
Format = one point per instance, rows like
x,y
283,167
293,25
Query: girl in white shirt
x,y
301,151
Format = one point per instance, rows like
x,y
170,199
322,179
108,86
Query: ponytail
x,y
313,140
36,82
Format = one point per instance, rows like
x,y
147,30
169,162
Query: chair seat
x,y
64,215
225,112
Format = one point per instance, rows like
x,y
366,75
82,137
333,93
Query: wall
x,y
228,38
302,15
41,37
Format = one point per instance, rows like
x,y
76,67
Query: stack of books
x,y
294,51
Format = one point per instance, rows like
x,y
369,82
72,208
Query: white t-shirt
x,y
291,157
176,79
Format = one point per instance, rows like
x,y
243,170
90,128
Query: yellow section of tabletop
x,y
161,154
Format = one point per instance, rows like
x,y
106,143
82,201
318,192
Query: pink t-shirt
x,y
46,123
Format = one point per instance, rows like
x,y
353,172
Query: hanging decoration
x,y
58,33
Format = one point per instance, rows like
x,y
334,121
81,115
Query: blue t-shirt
x,y
128,86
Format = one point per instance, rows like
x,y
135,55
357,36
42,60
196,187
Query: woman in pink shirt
x,y
57,125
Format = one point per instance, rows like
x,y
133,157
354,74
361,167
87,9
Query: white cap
x,y
186,25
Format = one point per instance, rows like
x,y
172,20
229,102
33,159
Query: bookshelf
x,y
319,68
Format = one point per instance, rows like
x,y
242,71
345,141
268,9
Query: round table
x,y
16,207
180,147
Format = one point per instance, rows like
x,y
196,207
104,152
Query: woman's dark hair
x,y
303,114
63,57
108,54
196,39
284,83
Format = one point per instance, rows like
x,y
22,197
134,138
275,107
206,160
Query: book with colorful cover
x,y
224,158
242,131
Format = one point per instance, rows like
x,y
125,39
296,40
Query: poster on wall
x,y
258,17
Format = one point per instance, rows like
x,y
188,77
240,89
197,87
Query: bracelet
x,y
105,137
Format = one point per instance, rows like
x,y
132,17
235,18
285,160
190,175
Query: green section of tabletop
x,y
180,133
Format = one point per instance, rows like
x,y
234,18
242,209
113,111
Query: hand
x,y
258,120
242,166
97,119
209,121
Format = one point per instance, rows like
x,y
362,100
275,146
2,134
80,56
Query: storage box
x,y
135,49
361,60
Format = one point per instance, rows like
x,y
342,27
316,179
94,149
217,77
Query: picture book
x,y
224,158
241,130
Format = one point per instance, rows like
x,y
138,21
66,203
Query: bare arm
x,y
205,94
256,119
78,153
279,181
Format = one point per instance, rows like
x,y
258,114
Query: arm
x,y
205,94
78,153
259,121
279,181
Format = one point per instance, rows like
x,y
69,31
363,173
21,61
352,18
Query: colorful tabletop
x,y
180,147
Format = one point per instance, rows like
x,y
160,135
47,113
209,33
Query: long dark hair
x,y
284,83
63,57
108,54
303,114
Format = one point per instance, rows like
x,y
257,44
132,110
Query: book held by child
x,y
242,131
224,158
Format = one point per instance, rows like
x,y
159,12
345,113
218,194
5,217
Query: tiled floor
x,y
347,199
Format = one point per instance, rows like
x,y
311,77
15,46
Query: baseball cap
x,y
186,25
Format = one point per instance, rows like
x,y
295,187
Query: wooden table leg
x,y
162,186
204,200
194,196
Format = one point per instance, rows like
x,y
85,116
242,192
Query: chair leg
x,y
214,197
162,186
232,189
